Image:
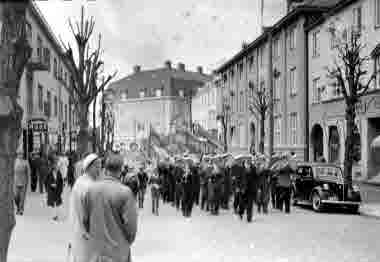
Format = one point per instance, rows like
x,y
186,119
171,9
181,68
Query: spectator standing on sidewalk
x,y
113,217
63,164
22,178
54,188
143,180
155,183
79,205
33,172
42,165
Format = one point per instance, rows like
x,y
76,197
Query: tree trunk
x,y
94,126
103,124
83,136
262,133
349,144
225,137
10,132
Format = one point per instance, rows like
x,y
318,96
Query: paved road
x,y
301,236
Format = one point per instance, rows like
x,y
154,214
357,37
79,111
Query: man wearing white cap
x,y
79,208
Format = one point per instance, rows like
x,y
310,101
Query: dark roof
x,y
306,7
154,78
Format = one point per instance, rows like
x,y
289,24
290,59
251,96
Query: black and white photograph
x,y
189,130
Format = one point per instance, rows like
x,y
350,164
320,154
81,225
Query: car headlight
x,y
355,188
326,187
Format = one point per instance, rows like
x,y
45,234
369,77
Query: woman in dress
x,y
54,187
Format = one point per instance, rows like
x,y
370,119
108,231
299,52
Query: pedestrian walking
x,y
237,172
79,206
284,188
42,171
188,196
21,182
54,188
204,186
33,172
178,173
249,190
155,183
63,165
113,217
71,172
143,180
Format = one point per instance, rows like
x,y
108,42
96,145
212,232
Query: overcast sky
x,y
148,32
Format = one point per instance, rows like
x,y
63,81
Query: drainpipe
x,y
306,99
270,86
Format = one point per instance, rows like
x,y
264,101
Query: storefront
x,y
328,135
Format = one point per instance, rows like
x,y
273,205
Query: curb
x,y
369,212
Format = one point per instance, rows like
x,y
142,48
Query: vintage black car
x,y
322,185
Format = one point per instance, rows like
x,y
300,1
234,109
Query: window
x,y
333,38
317,94
55,68
40,98
47,58
377,12
277,130
357,19
292,38
48,95
142,93
315,44
336,90
345,36
65,113
293,128
293,82
65,78
39,48
276,48
181,93
55,106
159,92
250,62
29,33
261,56
124,95
241,67
60,110
60,71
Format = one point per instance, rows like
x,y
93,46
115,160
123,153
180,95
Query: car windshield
x,y
329,172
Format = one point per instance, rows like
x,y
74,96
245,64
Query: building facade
x,y
275,61
44,91
204,107
157,99
326,102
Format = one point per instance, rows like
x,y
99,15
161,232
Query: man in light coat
x,y
113,217
79,205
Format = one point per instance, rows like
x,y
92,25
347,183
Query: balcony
x,y
37,63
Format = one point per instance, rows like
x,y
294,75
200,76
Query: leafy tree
x,y
353,80
14,56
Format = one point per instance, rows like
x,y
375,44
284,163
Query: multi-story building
x,y
204,107
326,103
156,98
275,61
49,116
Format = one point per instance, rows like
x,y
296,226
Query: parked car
x,y
322,185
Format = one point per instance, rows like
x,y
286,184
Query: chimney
x,y
181,67
168,64
136,69
200,70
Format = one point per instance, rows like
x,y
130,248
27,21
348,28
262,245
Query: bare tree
x,y
109,126
259,105
15,53
353,80
225,118
86,84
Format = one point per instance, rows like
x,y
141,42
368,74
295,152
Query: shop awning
x,y
376,142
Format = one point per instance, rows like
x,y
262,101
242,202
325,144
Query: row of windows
x,y
293,128
58,106
44,56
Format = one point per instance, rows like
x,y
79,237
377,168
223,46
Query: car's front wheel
x,y
317,203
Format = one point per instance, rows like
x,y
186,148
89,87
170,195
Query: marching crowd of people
x,y
212,184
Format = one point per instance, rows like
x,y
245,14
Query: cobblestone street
x,y
300,236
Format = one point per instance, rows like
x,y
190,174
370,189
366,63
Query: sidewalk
x,y
370,210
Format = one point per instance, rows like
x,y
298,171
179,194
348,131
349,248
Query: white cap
x,y
88,160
